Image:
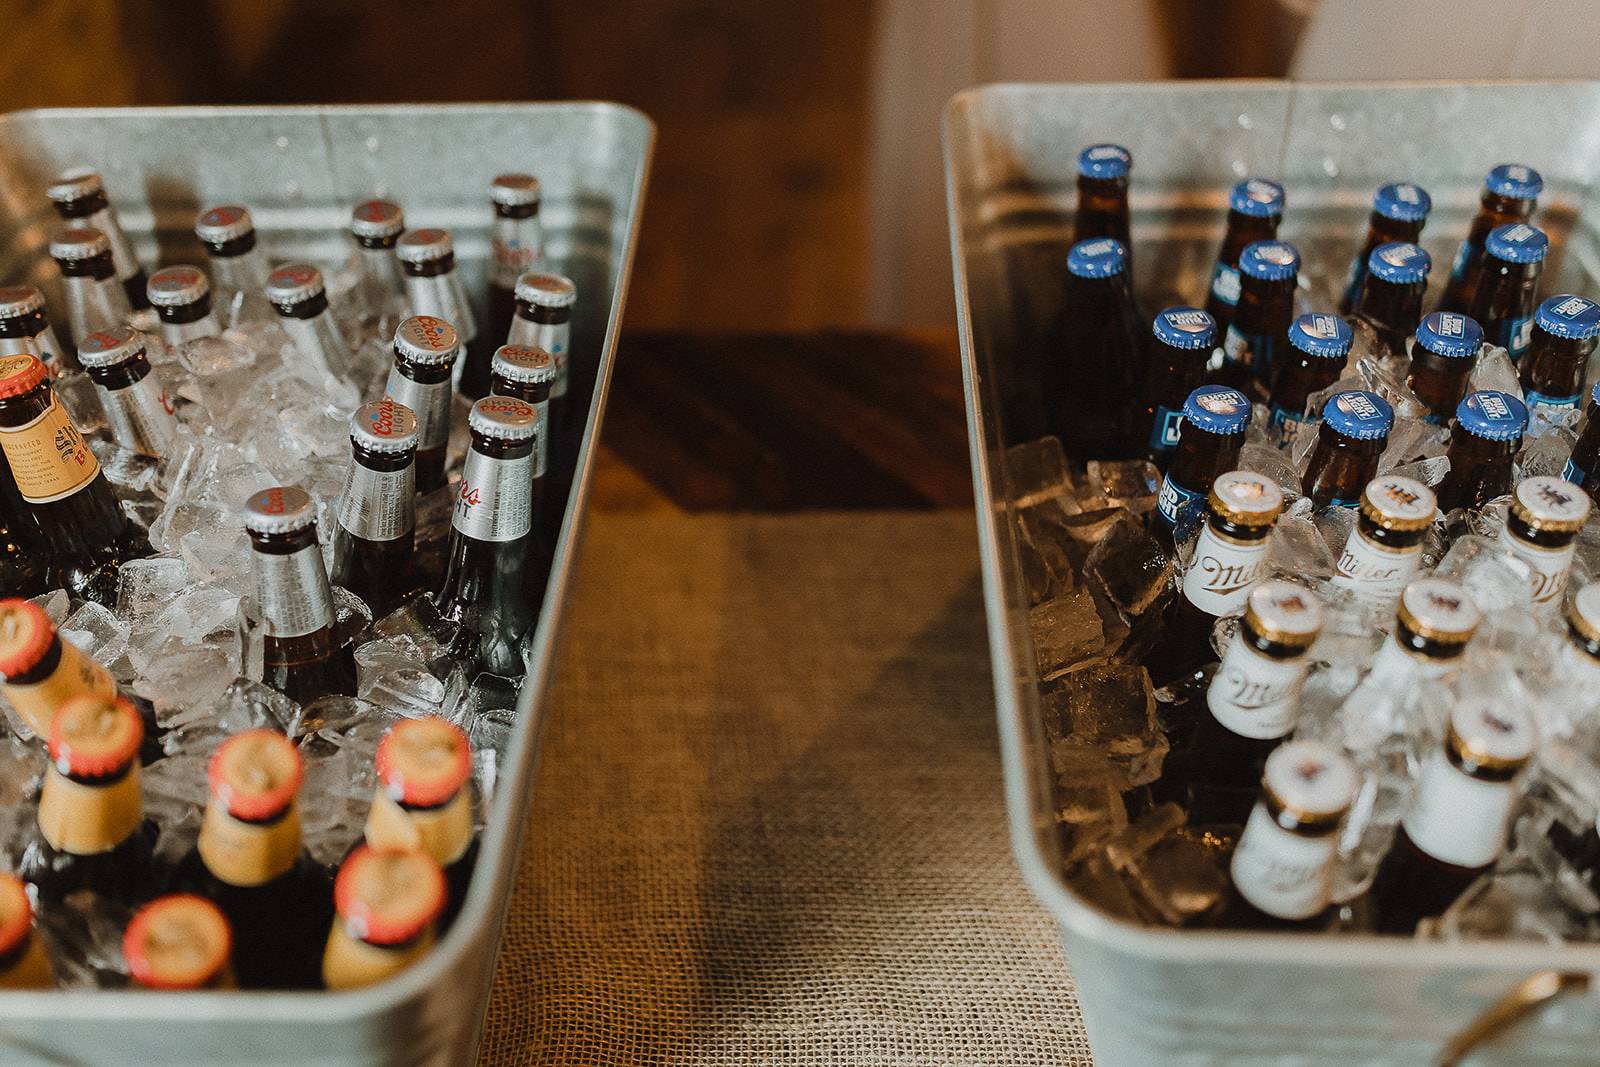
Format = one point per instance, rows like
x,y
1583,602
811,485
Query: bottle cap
x,y
514,190
424,246
1104,161
1245,498
546,290
1257,198
107,348
179,941
281,509
1310,783
523,363
423,763
16,913
78,243
377,218
1102,257
292,283
20,374
25,636
177,286
427,339
1489,734
504,418
255,775
1583,612
1514,181
1403,202
1322,335
1573,318
386,426
1439,610
1217,409
1185,327
95,736
1359,415
224,223
1491,415
1545,502
19,300
1450,334
1270,261
1517,242
1400,263
73,185
388,896
1395,502
1284,613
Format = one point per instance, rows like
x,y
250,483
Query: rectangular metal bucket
x,y
1190,997
300,170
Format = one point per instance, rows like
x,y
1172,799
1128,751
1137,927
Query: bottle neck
x,y
176,333
1228,561
440,295
292,584
350,963
379,499
62,673
1459,818
549,329
516,246
1284,873
86,817
249,853
495,502
443,831
317,339
95,304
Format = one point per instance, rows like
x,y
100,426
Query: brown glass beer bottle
x,y
23,961
80,199
135,402
386,902
1583,465
1255,207
181,296
1103,196
1564,331
1215,420
1390,300
1184,339
238,263
1260,328
25,327
1399,211
95,300
1443,354
179,942
544,320
1351,438
433,289
1510,193
426,349
516,246
1483,449
1508,286
1319,344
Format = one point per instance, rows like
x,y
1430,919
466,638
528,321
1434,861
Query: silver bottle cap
x,y
546,290
80,242
424,246
293,282
427,339
1546,502
384,426
74,184
281,509
16,300
1490,734
1439,610
107,348
225,222
178,286
377,218
514,190
1310,781
1284,613
524,363
504,418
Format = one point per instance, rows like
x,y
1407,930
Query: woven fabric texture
x,y
768,824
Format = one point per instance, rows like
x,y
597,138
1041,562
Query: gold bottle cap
x,y
1284,613
95,736
16,913
1309,783
1548,503
180,941
1394,502
423,763
388,896
1246,498
1583,612
1439,610
255,775
1493,735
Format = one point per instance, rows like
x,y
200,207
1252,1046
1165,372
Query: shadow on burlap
x,y
768,825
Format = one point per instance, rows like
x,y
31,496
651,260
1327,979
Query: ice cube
x,y
208,356
1495,577
1129,567
1381,378
1413,441
1299,551
1036,471
1042,550
55,604
488,712
1335,525
1273,463
1429,472
1111,709
146,586
1129,483
1546,454
1098,882
1066,634
1087,798
130,472
1495,370
1512,903
336,795
1175,877
175,794
77,393
101,634
83,934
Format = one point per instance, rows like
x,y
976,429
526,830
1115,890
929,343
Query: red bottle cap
x,y
177,942
422,763
255,775
25,636
20,374
388,896
16,913
95,736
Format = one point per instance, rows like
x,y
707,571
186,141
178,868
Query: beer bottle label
x,y
1164,428
1458,266
441,297
1551,566
1282,873
122,258
1514,335
75,675
296,599
1345,502
1219,579
244,853
514,250
1225,283
1179,508
351,964
140,415
1394,665
1282,416
86,820
1373,571
430,402
378,505
1535,399
1237,346
1457,818
42,346
495,502
1573,473
443,832
48,456
1253,695
554,337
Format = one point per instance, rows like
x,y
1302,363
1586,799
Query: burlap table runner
x,y
768,825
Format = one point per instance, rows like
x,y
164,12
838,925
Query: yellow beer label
x,y
84,819
244,853
443,832
48,456
348,963
75,675
31,970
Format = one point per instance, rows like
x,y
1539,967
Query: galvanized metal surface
x,y
300,170
1180,997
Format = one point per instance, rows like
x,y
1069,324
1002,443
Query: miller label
x,y
1256,695
1219,579
1457,818
1376,572
1284,874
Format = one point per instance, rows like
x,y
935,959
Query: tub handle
x,y
1522,1000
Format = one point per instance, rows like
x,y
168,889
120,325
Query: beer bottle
x,y
1390,300
1399,211
179,942
181,296
24,556
92,831
23,962
1508,286
249,862
1268,272
24,327
373,542
1351,438
1580,653
135,402
1103,196
1319,343
425,350
516,245
1483,449
1542,530
95,300
1184,339
238,265
1458,822
1255,207
1090,385
60,481
301,656
296,293
527,374
386,902
80,199
1215,419
544,320
1564,331
1434,620
1384,550
376,226
1584,462
1510,193
1442,359
1282,869
423,801
428,261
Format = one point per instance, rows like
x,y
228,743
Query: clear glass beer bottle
x,y
1103,196
1215,420
1542,530
181,296
1353,434
1384,550
1443,354
1184,340
1508,286
1260,328
376,226
386,903
1583,465
1399,211
516,245
374,542
1091,386
433,288
1255,207
25,327
1483,449
1390,300
1564,332
80,199
1510,194
297,294
238,264
1319,344
426,348
544,320
179,942
95,299
136,403
24,963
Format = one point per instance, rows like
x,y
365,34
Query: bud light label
x,y
1449,324
1458,267
1097,248
1494,407
1536,399
1164,429
1282,416
1326,326
1574,473
1187,321
1516,334
1225,284
1178,507
1359,406
1572,307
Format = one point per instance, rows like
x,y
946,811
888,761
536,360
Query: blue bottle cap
x,y
1515,181
1098,257
1270,261
1104,161
1492,416
1359,415
1217,409
1321,334
1399,262
1517,242
1574,318
1403,202
1257,197
1450,334
1185,327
